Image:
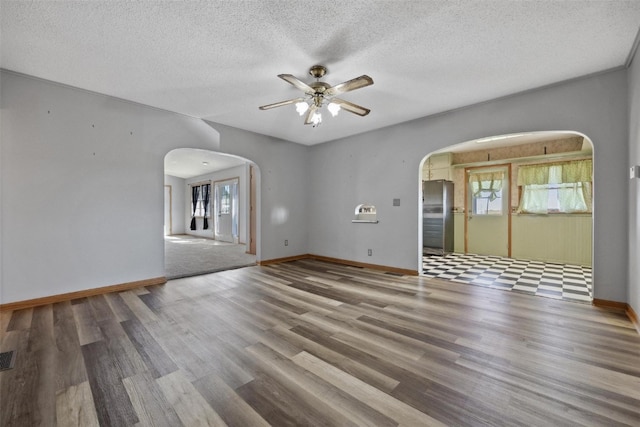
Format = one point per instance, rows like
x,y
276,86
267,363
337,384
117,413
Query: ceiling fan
x,y
320,93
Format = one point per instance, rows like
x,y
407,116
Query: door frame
x,y
466,203
170,209
215,224
252,210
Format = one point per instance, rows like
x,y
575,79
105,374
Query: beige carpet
x,y
186,255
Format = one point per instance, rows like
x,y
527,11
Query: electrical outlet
x,y
369,252
286,243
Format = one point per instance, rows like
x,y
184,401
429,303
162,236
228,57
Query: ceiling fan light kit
x,y
319,94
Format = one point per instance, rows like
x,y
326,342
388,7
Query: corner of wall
x,y
633,82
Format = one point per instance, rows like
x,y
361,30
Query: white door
x,y
487,212
226,210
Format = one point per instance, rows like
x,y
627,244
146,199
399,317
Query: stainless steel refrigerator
x,y
437,216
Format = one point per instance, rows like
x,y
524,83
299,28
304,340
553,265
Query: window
x,y
202,202
554,198
557,188
486,192
225,199
486,202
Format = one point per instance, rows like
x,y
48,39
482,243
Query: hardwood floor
x,y
310,343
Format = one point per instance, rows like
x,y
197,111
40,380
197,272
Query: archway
x,y
211,212
492,225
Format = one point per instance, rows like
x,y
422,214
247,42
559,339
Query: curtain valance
x,y
486,176
578,171
569,172
486,181
533,175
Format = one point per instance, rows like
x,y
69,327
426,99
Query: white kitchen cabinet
x,y
437,166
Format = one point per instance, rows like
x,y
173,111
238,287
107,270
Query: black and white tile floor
x,y
559,281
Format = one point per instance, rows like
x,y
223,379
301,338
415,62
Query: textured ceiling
x,y
218,60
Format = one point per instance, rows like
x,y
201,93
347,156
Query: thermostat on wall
x,y
634,172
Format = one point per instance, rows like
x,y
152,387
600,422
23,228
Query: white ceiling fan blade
x,y
281,103
297,83
353,84
351,107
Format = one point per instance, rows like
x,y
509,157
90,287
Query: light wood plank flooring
x,y
308,343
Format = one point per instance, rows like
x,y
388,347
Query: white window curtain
x,y
563,187
571,198
535,199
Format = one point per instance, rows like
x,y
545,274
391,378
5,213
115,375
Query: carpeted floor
x,y
186,255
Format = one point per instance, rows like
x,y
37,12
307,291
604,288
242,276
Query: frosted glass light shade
x,y
316,119
334,109
302,107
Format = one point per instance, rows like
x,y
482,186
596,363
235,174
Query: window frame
x,y
471,199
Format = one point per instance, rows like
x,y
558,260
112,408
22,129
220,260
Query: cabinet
x,y
437,166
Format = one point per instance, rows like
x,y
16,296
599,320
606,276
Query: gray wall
x,y
82,174
379,166
82,187
283,194
634,187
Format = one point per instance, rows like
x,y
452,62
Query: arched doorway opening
x,y
519,208
211,212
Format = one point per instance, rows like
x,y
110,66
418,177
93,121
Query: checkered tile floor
x,y
559,281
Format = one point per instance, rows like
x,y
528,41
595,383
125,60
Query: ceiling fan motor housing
x,y
319,87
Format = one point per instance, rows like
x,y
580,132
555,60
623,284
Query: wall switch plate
x,y
396,202
634,172
286,243
369,252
